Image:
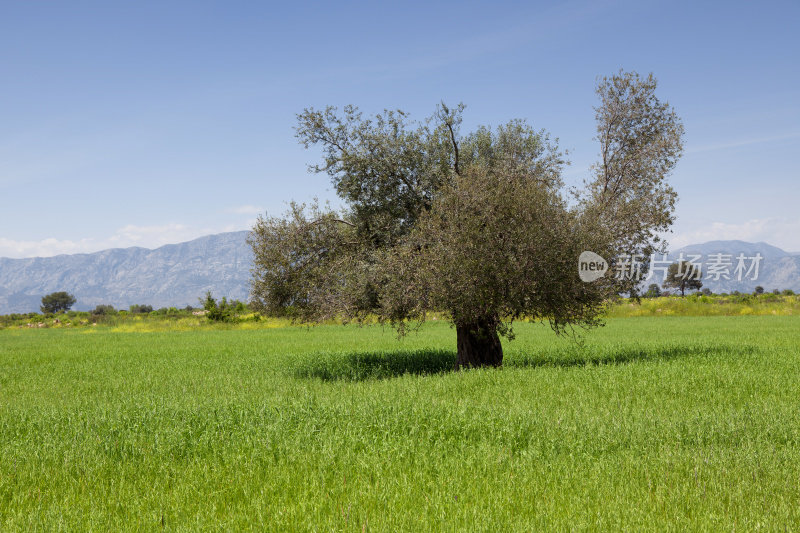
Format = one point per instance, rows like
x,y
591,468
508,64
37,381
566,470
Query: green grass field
x,y
665,423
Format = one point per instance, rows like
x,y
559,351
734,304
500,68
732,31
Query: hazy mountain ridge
x,y
179,274
172,275
777,270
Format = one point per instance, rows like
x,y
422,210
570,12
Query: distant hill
x,y
172,275
777,270
178,274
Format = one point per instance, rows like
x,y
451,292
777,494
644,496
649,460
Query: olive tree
x,y
496,246
478,225
684,275
57,301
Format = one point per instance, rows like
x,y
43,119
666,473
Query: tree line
x,y
223,310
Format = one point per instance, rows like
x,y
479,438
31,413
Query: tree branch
x,y
339,220
449,125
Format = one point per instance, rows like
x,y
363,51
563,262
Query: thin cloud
x,y
247,210
742,142
783,233
124,237
538,25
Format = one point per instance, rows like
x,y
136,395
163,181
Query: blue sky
x,y
146,123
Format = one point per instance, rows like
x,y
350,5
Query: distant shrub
x,y
653,291
223,311
166,311
136,309
103,309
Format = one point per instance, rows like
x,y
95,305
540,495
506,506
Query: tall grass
x,y
696,305
654,424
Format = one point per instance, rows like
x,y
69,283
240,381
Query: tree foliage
x,y
653,291
641,141
386,168
224,310
57,301
496,244
684,276
478,225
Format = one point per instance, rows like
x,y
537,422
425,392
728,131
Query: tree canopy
x,y
57,301
478,225
684,275
653,291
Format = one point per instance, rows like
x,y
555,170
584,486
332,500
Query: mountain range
x,y
173,275
179,274
776,269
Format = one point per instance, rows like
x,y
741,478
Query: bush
x,y
738,297
136,309
166,311
653,291
223,311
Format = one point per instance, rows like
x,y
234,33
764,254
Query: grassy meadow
x,y
652,423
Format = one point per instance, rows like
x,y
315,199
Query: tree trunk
x,y
478,345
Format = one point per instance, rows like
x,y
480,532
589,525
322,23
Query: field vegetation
x,y
240,316
651,423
